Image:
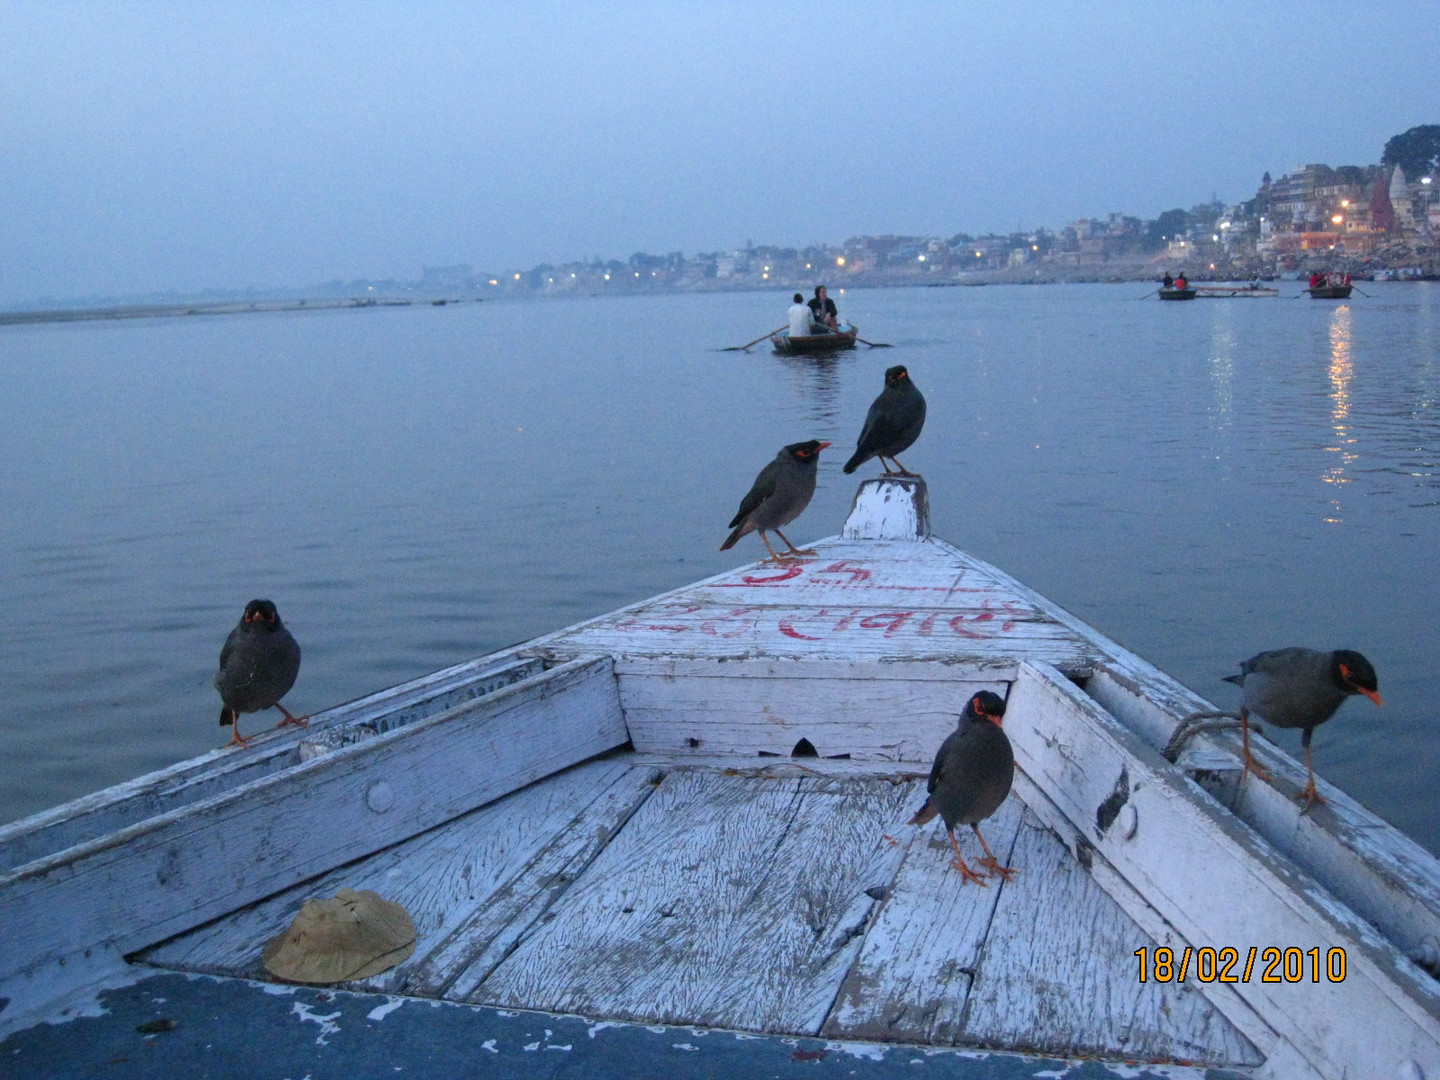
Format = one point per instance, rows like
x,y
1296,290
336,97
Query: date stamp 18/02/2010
x,y
1230,965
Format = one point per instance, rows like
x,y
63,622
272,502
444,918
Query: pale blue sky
x,y
148,146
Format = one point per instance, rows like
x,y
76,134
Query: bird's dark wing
x,y
228,647
1282,662
763,488
937,770
876,431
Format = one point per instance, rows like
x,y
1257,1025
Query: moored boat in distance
x,y
1234,292
814,344
672,840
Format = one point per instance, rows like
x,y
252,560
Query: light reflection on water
x,y
414,487
1341,372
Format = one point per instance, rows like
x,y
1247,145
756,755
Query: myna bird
x,y
258,666
780,493
1300,688
892,425
971,777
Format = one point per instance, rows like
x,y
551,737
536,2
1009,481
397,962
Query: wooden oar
x,y
1147,296
874,344
762,337
1361,291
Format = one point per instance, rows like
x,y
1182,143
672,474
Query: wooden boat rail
x,y
111,809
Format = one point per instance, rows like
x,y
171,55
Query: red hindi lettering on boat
x,y
961,630
792,571
889,621
789,631
858,573
734,617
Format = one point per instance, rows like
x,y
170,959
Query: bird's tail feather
x,y
740,531
925,813
227,716
856,460
1238,680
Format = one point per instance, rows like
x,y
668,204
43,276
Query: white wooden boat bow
x,y
692,811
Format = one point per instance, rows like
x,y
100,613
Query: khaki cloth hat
x,y
351,935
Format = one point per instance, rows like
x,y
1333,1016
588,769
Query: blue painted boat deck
x,y
204,1028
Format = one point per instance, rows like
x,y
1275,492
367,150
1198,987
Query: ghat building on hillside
x,y
1350,210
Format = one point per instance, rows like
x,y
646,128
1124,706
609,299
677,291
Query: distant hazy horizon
x,y
173,147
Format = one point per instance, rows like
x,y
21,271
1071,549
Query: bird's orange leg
x,y
966,874
885,468
237,739
766,541
1310,795
990,861
302,721
1251,765
901,470
793,549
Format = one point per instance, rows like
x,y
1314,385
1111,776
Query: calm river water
x,y
416,486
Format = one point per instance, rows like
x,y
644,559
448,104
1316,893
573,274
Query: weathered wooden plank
x,y
177,871
911,979
468,954
1058,974
726,901
123,805
1219,884
1376,870
842,633
1281,1060
859,599
750,765
768,706
453,880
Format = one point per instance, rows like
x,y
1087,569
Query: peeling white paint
x,y
327,1024
683,1046
595,1028
1176,1072
865,1051
382,1011
489,1044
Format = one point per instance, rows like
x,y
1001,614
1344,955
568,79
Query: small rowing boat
x,y
1187,293
814,344
1232,292
672,840
1330,292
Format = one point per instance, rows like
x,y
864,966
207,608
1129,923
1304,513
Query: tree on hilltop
x,y
1417,151
1166,227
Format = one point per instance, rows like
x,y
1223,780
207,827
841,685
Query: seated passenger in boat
x,y
822,311
1181,283
799,313
1168,282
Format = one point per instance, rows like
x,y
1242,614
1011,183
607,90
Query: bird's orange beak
x,y
1372,695
821,447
